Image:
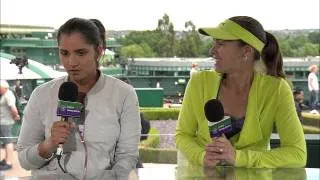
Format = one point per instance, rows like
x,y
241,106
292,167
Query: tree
x,y
166,45
136,50
314,37
131,51
310,49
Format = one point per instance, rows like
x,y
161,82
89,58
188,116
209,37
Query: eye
x,y
63,52
220,43
82,52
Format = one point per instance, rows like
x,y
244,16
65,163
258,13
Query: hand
x,y
60,131
227,152
210,159
17,117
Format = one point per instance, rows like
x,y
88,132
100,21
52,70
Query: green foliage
x,y
136,50
164,41
314,37
160,113
153,140
156,155
302,45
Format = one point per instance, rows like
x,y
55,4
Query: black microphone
x,y
67,106
218,123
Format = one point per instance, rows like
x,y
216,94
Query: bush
x,y
311,130
153,140
160,113
156,155
311,119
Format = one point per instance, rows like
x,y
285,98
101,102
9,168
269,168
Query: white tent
x,y
34,70
11,71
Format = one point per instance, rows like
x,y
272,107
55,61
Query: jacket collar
x,y
97,86
251,130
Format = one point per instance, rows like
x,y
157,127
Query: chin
x,y
219,69
75,77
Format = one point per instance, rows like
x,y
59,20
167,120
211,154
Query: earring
x,y
245,59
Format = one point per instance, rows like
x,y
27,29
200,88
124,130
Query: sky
x,y
144,14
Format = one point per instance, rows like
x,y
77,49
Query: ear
x,y
99,52
248,51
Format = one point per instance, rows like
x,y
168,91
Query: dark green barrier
x,y
313,148
150,97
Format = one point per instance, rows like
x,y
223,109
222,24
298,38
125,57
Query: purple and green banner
x,y
69,109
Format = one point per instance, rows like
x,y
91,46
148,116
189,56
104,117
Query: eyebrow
x,y
77,50
82,50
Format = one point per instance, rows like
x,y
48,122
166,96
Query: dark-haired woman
x,y
107,134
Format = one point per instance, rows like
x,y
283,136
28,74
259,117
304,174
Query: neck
x,y
86,84
239,81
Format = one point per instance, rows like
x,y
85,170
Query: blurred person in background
x,y
298,96
194,68
313,86
8,115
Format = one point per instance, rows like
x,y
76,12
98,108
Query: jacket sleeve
x,y
31,135
127,153
187,126
292,150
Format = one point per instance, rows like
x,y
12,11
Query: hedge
x,y
311,119
311,130
153,140
150,153
156,155
160,113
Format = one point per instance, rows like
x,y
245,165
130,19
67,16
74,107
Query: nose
x,y
211,52
72,60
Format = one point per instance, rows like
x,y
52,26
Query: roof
x,y
35,70
22,29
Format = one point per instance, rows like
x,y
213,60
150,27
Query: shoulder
x,y
270,84
204,76
9,94
52,85
311,75
113,83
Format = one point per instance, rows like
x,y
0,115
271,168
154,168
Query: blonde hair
x,y
195,65
4,84
312,67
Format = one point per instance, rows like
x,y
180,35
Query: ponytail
x,y
102,32
272,57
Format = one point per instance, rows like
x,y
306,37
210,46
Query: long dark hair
x,y
270,54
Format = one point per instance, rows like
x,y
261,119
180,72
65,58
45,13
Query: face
x,y
229,55
78,57
300,96
3,90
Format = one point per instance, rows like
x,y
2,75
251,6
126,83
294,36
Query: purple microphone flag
x,y
69,109
216,129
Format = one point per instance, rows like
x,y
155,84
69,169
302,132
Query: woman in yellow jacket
x,y
250,83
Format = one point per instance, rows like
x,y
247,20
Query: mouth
x,y
74,71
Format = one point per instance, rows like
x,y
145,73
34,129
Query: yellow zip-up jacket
x,y
270,104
